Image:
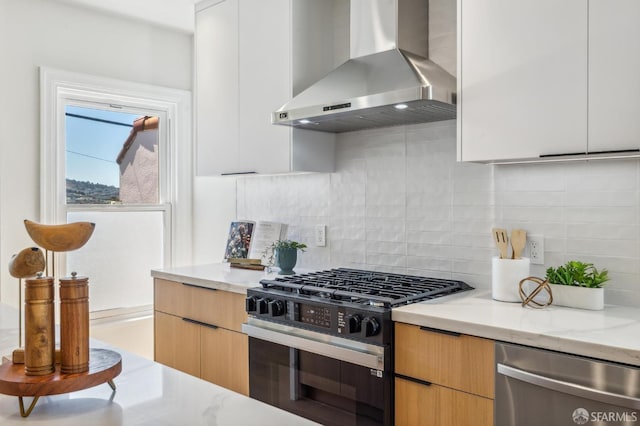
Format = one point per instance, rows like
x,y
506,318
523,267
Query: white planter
x,y
578,297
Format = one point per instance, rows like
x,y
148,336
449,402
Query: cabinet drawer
x,y
215,307
420,405
225,358
460,362
177,343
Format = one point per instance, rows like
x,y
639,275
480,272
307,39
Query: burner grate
x,y
366,287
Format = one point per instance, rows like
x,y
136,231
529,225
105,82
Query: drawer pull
x,y
192,321
413,379
198,286
437,330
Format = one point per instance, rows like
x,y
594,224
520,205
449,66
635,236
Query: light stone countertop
x,y
147,393
219,276
611,334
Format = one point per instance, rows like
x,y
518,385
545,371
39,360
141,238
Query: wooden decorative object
x,y
39,327
74,324
104,365
527,299
65,237
27,263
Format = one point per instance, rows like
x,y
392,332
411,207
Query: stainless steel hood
x,y
388,80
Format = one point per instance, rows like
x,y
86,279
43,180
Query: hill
x,y
91,193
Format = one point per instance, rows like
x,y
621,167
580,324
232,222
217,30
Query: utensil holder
x,y
505,278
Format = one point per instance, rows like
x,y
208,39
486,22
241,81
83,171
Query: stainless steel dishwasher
x,y
541,387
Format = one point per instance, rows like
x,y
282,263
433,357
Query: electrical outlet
x,y
536,249
321,235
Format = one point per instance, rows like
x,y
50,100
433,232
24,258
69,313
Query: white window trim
x,y
57,85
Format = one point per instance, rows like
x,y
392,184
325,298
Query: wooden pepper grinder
x,y
74,324
39,326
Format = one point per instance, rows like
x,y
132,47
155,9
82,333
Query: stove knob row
x,y
262,305
370,327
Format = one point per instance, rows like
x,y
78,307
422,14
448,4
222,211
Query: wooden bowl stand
x,y
104,365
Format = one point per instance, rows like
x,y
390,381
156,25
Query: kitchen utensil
x,y
518,240
501,239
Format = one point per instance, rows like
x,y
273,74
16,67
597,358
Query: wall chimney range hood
x,y
388,80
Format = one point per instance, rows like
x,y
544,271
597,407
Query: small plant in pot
x,y
577,284
285,253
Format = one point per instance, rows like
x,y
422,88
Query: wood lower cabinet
x,y
197,331
442,378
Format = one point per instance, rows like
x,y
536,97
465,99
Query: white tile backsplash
x,y
400,202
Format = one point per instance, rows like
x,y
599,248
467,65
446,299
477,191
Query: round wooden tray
x,y
104,365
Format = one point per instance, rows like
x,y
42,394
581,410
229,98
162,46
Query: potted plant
x,y
578,285
286,255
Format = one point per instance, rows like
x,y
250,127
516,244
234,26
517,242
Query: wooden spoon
x,y
500,237
518,241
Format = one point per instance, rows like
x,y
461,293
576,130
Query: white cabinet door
x,y
523,78
216,88
265,84
614,75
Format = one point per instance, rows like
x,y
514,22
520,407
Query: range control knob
x,y
276,308
250,304
353,323
262,305
370,327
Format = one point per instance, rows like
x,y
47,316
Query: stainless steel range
x,y
320,344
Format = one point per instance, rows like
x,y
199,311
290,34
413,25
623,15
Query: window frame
x,y
60,88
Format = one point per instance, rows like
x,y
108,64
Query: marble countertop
x,y
147,393
219,276
611,334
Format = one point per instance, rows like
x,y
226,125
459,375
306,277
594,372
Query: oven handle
x,y
365,359
569,388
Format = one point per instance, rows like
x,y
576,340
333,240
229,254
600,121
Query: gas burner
x,y
367,288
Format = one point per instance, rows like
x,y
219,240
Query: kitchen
x,y
398,200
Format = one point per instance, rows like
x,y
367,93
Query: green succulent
x,y
576,273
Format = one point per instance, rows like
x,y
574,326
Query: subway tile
x,y
602,198
607,214
388,260
429,264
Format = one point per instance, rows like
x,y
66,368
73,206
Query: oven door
x,y
329,380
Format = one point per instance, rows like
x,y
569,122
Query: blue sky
x,y
92,146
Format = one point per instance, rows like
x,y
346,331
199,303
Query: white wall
x,y
400,202
37,33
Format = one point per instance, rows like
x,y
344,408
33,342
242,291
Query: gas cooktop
x,y
360,287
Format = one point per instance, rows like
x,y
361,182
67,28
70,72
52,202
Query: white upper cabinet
x,y
522,81
614,75
243,54
216,88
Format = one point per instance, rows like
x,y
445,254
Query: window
x,y
110,156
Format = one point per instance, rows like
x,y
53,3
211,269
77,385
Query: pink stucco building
x,y
138,161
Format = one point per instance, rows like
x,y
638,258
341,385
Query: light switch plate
x,y
321,235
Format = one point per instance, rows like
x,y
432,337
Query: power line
x,y
101,120
90,156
